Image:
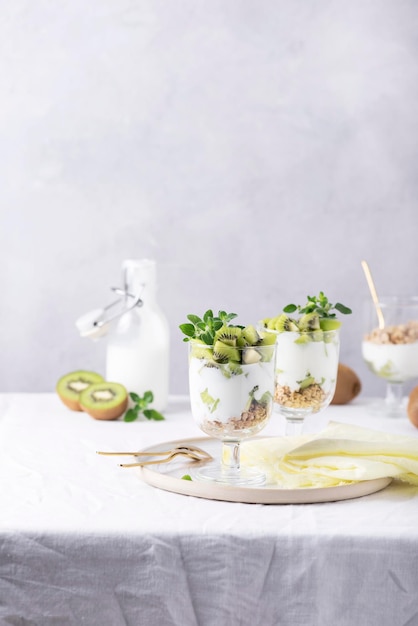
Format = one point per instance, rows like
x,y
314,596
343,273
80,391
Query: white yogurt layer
x,y
394,362
297,361
213,396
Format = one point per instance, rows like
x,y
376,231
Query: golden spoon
x,y
373,293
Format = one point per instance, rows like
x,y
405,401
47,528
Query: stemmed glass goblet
x,y
390,348
231,401
305,374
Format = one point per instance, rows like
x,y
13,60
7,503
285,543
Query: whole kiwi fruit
x,y
348,385
412,408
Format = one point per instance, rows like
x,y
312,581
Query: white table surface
x,y
83,541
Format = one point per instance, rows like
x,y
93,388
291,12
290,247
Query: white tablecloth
x,y
83,541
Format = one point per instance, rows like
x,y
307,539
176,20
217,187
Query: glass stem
x,y
293,427
230,458
394,393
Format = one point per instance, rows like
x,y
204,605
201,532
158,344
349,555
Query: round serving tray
x,y
169,477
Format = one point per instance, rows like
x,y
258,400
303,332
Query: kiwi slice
x,y
201,352
284,323
307,382
104,401
250,335
309,321
327,323
224,353
70,386
267,339
229,335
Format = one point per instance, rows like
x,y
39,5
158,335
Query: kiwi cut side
x,y
70,386
104,400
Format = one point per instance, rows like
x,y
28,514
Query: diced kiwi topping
x,y
315,316
224,345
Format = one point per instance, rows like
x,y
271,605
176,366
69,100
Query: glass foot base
x,y
381,408
244,476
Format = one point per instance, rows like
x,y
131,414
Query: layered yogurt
x,y
392,352
306,369
229,404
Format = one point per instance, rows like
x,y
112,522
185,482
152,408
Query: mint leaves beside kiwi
x,y
225,345
87,391
141,407
317,314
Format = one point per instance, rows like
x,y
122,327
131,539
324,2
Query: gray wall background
x,y
257,149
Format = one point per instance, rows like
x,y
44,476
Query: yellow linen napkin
x,y
340,454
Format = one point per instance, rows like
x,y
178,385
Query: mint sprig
x,y
319,305
204,329
141,407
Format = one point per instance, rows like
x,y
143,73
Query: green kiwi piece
x,y
327,323
270,323
267,339
307,382
234,368
224,353
303,338
104,401
199,351
250,335
284,323
228,335
251,356
309,321
71,385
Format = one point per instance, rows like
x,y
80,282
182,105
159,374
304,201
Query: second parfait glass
x,y
305,374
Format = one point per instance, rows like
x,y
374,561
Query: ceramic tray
x,y
169,477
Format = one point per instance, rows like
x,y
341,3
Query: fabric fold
x,y
342,453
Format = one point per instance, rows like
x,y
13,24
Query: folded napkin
x,y
340,454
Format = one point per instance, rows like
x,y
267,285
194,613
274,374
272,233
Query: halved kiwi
x,y
71,385
104,400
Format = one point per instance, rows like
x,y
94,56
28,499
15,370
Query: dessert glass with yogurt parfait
x,y
307,354
390,348
231,383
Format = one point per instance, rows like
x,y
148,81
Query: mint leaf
x,y
130,416
343,309
188,329
134,397
148,397
290,308
152,414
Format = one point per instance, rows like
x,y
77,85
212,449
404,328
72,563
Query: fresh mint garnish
x,y
319,305
204,329
141,406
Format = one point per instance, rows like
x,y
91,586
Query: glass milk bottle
x,y
138,344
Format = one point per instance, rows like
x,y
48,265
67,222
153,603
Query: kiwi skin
x,y
348,385
412,408
101,411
